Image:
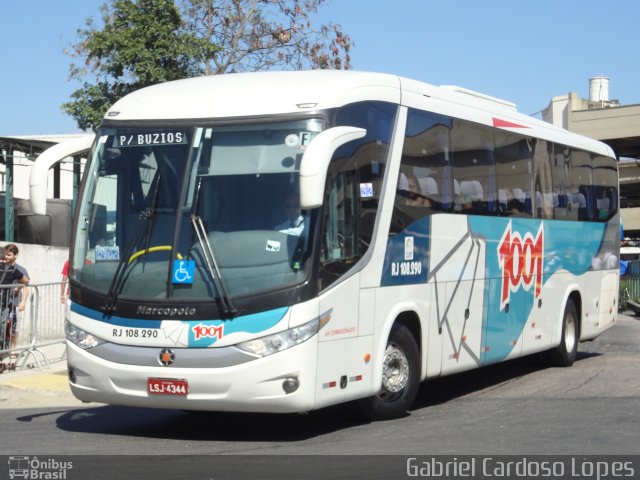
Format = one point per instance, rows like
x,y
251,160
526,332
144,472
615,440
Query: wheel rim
x,y
395,373
570,333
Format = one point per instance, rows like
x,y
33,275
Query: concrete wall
x,y
557,113
43,263
630,219
607,123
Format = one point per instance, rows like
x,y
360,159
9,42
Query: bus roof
x,y
272,93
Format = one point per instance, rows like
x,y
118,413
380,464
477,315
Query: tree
x,y
144,42
256,35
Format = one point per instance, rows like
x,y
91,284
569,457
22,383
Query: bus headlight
x,y
81,338
281,341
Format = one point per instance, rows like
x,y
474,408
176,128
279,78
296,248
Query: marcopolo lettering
x,y
166,311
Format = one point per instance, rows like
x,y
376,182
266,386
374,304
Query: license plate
x,y
166,386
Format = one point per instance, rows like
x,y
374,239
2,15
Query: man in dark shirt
x,y
18,299
9,275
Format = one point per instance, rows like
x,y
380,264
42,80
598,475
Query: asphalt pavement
x,y
46,386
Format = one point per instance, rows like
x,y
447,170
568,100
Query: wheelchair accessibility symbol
x,y
183,271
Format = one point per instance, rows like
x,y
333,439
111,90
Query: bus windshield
x,y
205,212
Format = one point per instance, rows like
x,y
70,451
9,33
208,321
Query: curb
x,y
51,382
28,389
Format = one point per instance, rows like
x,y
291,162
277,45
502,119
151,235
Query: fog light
x,y
290,385
72,375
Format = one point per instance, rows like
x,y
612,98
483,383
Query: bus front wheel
x,y
565,354
400,377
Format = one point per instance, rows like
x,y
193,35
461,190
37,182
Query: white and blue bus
x,y
285,241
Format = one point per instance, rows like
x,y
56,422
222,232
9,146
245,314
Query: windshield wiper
x,y
149,213
212,266
118,278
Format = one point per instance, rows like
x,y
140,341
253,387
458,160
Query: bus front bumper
x,y
262,385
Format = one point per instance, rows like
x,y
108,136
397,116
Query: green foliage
x,y
90,103
144,42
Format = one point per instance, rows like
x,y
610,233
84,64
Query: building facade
x,y
617,125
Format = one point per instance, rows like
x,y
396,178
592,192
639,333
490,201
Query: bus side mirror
x,y
40,168
315,162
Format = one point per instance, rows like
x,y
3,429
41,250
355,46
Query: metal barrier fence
x,y
633,268
24,334
633,286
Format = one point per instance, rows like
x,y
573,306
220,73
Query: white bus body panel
x,y
252,94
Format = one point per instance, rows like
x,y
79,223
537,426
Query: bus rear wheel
x,y
400,377
565,354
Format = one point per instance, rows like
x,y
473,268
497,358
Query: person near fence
x,y
64,286
18,298
9,275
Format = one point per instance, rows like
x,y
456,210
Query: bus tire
x,y
400,377
565,354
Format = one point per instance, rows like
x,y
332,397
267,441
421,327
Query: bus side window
x,y
474,168
513,177
426,164
603,204
429,189
605,185
546,200
472,195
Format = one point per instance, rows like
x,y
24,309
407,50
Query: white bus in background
x,y
281,242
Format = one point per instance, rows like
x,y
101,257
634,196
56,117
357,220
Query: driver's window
x,y
354,184
340,236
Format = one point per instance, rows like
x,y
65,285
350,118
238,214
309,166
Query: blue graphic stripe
x,y
569,246
572,246
397,268
253,323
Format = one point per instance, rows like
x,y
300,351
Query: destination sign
x,y
141,139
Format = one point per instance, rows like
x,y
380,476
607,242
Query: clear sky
x,y
522,51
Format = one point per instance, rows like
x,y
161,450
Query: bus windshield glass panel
x,y
187,212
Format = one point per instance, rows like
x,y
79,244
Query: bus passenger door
x,y
343,372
